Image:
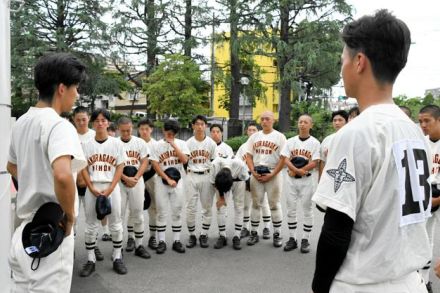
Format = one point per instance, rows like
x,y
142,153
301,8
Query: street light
x,y
244,81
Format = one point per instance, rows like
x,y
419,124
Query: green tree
x,y
303,36
176,88
53,25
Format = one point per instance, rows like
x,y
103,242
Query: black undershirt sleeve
x,y
332,248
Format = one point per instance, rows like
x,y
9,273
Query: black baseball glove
x,y
173,173
130,171
299,162
103,207
262,170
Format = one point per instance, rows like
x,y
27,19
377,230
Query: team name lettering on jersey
x,y
302,153
96,161
260,146
164,158
133,158
200,156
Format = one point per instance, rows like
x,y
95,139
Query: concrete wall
x,y
5,130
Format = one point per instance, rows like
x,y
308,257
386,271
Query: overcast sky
x,y
423,19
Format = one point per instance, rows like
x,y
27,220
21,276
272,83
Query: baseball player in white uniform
x,y
105,156
429,118
169,153
302,156
229,175
44,153
81,120
339,119
245,232
202,151
132,187
375,183
223,150
145,129
265,161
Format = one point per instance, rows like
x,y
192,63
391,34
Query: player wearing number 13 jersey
x,y
375,182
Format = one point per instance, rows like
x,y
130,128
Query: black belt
x,y
199,172
237,179
299,177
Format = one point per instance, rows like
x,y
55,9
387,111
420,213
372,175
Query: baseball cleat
x,y
429,287
203,239
130,245
87,269
291,244
119,266
221,242
178,247
98,254
106,237
253,239
192,242
161,247
277,240
142,252
236,243
266,233
152,243
244,233
305,246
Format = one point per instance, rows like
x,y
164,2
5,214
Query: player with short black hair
x,y
339,119
429,119
105,155
407,111
375,183
353,113
168,157
229,176
202,151
145,130
44,154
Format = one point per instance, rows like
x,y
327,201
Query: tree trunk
x,y
285,107
234,98
152,36
188,29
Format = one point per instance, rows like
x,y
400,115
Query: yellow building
x,y
269,77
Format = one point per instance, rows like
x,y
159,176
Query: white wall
x,y
5,127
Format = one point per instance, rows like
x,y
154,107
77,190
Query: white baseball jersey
x,y
238,168
90,134
435,153
266,148
377,173
242,152
135,149
224,150
201,153
166,156
38,138
325,146
103,158
308,149
150,145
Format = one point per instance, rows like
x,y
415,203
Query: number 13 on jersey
x,y
414,188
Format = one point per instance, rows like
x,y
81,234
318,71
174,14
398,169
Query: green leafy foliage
x,y
176,89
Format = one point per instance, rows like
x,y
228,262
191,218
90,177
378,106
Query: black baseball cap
x,y
44,234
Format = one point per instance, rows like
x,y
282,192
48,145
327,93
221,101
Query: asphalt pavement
x,y
254,269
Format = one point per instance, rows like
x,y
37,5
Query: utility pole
x,y
211,102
